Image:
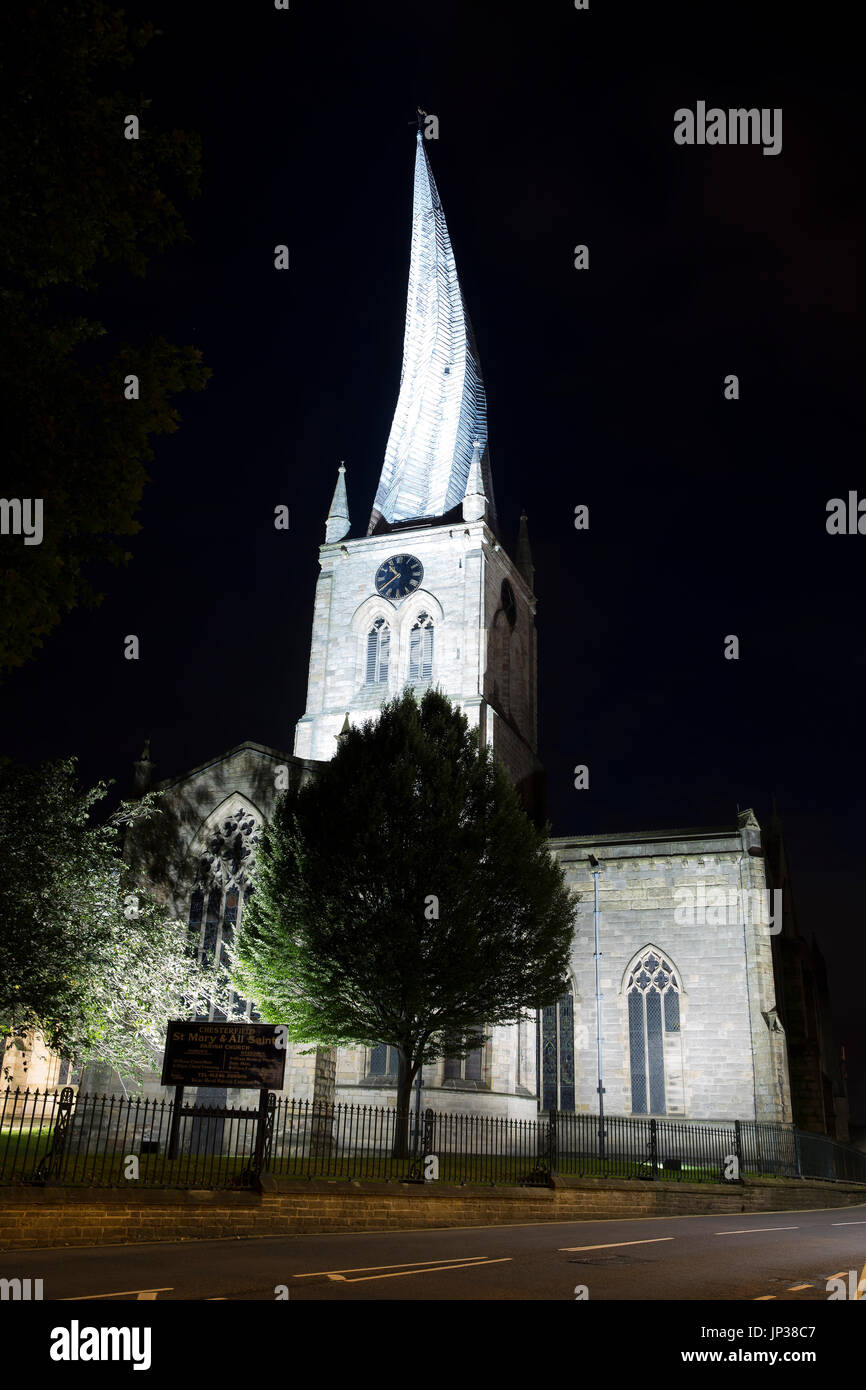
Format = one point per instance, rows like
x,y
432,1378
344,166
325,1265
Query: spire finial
x,y
474,499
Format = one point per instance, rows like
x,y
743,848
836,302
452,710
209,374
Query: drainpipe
x,y
595,868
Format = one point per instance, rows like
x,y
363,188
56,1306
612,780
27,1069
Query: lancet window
x,y
378,653
223,888
421,649
557,1054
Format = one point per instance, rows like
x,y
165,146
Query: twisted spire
x,y
442,405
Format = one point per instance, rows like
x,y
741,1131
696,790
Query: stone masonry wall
x,y
728,1059
39,1219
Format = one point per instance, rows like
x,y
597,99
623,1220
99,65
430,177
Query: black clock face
x,y
398,576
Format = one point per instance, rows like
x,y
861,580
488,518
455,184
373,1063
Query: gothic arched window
x,y
421,649
653,1011
223,887
557,1054
378,653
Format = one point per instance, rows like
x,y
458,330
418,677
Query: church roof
x,y
442,405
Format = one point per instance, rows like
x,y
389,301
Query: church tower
x,y
429,595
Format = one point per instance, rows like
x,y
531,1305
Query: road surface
x,y
783,1256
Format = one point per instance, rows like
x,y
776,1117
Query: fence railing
x,y
104,1141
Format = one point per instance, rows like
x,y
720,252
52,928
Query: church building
x,y
701,979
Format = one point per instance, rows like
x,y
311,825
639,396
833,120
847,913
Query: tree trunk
x,y
405,1076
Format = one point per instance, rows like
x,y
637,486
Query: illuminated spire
x,y
442,405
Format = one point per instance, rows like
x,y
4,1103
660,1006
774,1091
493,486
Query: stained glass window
x,y
472,1065
557,1055
566,1052
653,1011
211,927
196,911
655,1049
637,1049
223,887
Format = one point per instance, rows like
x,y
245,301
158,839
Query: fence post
x,y
797,1151
552,1144
54,1156
653,1146
174,1124
738,1149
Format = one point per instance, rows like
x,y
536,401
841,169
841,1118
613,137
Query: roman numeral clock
x,y
398,576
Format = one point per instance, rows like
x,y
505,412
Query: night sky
x,y
605,387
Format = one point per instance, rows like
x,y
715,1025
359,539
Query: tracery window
x,y
653,992
421,648
557,1054
223,886
378,653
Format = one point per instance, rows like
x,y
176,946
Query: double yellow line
x,y
400,1271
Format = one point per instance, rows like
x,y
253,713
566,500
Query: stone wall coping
x,y
65,1197
654,838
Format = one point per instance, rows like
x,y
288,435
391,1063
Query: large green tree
x,y
87,957
78,199
404,897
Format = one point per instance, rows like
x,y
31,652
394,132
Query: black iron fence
x,y
105,1141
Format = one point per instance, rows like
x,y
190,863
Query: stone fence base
x,y
33,1218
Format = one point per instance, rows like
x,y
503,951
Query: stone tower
x,y
429,595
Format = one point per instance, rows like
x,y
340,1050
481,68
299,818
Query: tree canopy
x,y
404,897
87,957
76,198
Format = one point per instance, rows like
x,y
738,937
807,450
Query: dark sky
x,y
707,517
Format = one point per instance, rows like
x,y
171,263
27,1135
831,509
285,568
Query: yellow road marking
x,y
754,1230
612,1243
402,1273
764,1298
362,1269
795,1288
142,1295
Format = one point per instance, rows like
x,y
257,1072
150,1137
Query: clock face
x,y
398,576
